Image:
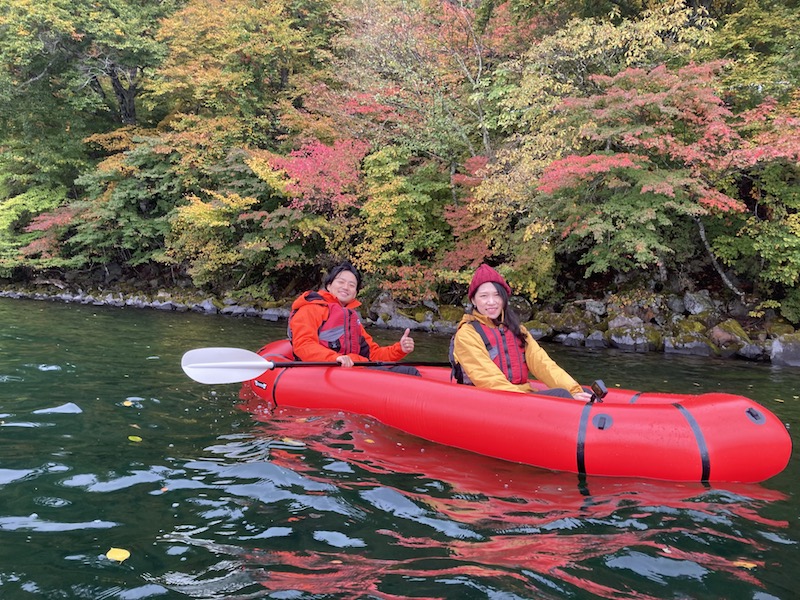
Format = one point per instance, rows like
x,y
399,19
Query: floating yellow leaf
x,y
118,554
127,403
134,438
745,564
778,400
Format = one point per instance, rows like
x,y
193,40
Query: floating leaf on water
x,y
127,403
778,400
745,564
117,554
134,438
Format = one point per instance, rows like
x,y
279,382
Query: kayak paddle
x,y
232,365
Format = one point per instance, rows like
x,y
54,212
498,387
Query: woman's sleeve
x,y
546,370
470,352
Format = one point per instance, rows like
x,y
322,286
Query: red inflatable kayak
x,y
674,437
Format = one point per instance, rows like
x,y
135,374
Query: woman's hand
x,y
407,342
584,396
345,360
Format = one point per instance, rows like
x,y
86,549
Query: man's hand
x,y
345,360
407,342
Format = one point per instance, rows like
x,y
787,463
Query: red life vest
x,y
505,349
341,331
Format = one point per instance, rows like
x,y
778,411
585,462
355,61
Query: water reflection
x,y
365,511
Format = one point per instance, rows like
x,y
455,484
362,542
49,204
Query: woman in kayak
x,y
324,325
492,349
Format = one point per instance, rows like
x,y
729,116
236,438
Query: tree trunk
x,y
126,97
728,283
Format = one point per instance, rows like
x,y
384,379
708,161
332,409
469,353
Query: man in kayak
x,y
492,349
324,325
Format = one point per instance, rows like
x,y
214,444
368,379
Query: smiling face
x,y
488,301
344,286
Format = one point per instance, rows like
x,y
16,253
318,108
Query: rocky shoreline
x,y
693,324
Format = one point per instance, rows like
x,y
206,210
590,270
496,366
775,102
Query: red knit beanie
x,y
483,274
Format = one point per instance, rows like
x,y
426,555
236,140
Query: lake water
x,y
105,443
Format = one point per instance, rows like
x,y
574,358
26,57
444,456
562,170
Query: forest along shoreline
x,y
693,323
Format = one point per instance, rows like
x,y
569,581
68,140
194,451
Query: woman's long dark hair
x,y
510,318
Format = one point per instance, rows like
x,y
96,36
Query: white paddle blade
x,y
223,365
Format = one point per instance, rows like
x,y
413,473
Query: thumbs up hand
x,y
407,342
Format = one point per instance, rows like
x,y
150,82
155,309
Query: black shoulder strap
x,y
479,328
456,372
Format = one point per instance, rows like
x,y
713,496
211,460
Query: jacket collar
x,y
476,316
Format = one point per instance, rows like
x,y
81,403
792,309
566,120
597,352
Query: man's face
x,y
344,287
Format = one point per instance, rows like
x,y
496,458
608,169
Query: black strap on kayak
x,y
584,423
700,439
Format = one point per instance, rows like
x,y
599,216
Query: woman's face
x,y
344,287
488,301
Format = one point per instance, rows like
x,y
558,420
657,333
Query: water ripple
x,y
34,523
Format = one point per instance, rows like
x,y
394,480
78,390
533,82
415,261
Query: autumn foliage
x,y
248,145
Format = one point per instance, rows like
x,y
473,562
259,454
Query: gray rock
x,y
384,304
273,314
629,339
595,307
235,310
676,305
540,332
786,350
398,321
698,302
163,305
596,339
752,352
206,306
688,344
444,326
574,339
622,321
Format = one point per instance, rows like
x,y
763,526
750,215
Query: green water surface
x,y
105,443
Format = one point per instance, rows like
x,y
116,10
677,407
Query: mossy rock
x,y
422,315
690,325
689,338
735,328
570,321
654,337
451,313
779,328
539,329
